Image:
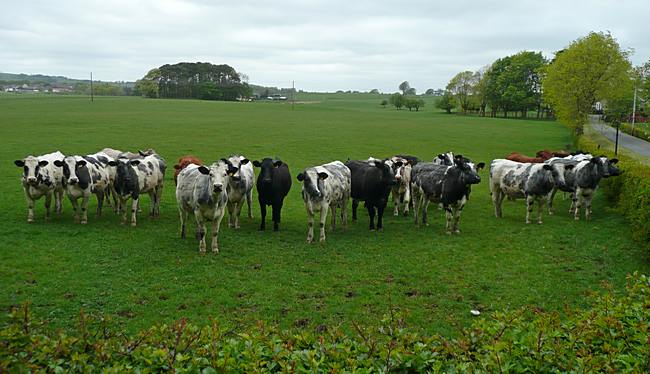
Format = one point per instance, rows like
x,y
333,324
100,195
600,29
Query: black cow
x,y
273,184
371,182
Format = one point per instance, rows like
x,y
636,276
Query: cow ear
x,y
441,156
244,161
277,163
569,166
142,153
134,162
225,161
301,177
232,170
81,163
614,160
594,160
256,163
547,167
322,175
203,170
19,163
378,163
43,163
58,163
112,163
177,167
399,164
480,165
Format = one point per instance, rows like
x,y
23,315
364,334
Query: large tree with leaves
x,y
404,87
593,68
462,86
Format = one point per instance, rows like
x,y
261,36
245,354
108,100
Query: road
x,y
626,141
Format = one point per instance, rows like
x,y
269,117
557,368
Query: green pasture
x,y
143,275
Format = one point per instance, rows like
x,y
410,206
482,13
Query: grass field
x,y
147,274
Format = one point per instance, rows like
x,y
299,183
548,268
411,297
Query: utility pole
x,y
618,123
293,89
92,98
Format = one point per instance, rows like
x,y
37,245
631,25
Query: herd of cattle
x,y
208,191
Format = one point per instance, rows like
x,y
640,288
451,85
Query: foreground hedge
x,y
630,192
610,336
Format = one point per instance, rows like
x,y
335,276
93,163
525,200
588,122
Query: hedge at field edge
x,y
610,336
630,192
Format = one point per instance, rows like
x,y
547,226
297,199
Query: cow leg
x,y
497,199
380,217
333,206
277,209
344,212
371,214
249,203
48,202
100,202
134,210
75,207
578,199
540,209
216,223
588,206
116,201
323,219
263,216
425,211
396,197
550,198
238,206
574,201
310,223
200,227
355,205
231,214
457,212
183,216
407,201
152,207
530,201
123,209
417,205
58,201
84,208
449,216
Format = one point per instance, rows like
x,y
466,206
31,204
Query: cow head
x,y
557,171
266,169
313,182
468,171
219,173
606,167
237,162
31,169
387,175
70,166
444,159
147,152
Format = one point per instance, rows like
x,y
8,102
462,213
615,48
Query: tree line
x,y
200,80
591,69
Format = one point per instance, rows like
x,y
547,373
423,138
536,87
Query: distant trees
x,y
447,102
413,103
396,100
404,87
384,103
193,81
430,91
592,68
462,86
374,91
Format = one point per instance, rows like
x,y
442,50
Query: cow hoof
x,y
448,233
215,250
133,224
30,220
539,222
202,251
229,225
309,241
457,232
322,239
84,222
577,218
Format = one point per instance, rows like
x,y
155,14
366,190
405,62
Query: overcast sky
x,y
322,45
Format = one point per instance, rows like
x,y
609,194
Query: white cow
x,y
240,187
42,178
203,191
325,187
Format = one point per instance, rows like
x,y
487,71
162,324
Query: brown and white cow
x,y
183,161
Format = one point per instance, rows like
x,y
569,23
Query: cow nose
x,y
31,179
398,177
218,188
73,180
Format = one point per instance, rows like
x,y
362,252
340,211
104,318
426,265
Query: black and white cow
x,y
203,191
325,187
532,181
567,167
108,164
240,188
586,176
84,176
448,185
42,178
401,192
371,184
133,177
273,185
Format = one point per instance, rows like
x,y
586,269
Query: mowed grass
x,y
144,275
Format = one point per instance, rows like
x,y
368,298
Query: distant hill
x,y
46,79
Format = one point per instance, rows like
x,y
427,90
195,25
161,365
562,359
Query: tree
x,y
480,88
374,91
592,68
404,87
430,91
461,86
446,102
397,100
408,102
417,104
410,91
384,103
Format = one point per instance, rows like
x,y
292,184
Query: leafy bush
x,y
611,336
630,191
